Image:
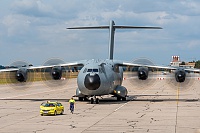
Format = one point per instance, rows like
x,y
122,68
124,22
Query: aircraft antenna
x,y
112,28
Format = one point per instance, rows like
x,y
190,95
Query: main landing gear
x,y
94,99
121,98
83,98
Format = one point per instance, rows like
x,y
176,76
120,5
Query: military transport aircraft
x,y
102,77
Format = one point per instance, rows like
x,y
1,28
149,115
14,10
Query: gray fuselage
x,y
99,77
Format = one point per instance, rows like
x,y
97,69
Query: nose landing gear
x,y
94,99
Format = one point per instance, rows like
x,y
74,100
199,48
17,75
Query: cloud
x,y
41,24
193,44
190,8
32,8
16,24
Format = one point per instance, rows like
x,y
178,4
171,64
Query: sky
x,y
34,31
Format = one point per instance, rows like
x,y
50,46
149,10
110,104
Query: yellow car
x,y
51,108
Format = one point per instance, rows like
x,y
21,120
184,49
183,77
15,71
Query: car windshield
x,y
43,104
49,105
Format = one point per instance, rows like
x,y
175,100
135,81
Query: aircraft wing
x,y
22,73
61,65
151,66
192,70
9,70
48,66
156,66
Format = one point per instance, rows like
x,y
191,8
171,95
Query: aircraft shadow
x,y
137,98
112,100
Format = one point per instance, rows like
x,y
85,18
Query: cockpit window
x,y
92,70
89,70
85,70
95,70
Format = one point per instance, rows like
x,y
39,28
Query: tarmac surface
x,y
154,108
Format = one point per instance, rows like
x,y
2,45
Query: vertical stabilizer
x,y
111,39
112,28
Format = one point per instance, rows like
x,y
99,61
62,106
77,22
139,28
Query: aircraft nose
x,y
92,82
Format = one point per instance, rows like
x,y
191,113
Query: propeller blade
x,y
55,76
142,77
20,79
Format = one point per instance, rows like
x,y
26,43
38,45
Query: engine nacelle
x,y
120,91
180,75
21,75
56,73
143,73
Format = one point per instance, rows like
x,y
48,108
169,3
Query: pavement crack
x,y
131,125
142,115
39,130
107,115
19,108
90,108
7,115
131,121
18,122
72,126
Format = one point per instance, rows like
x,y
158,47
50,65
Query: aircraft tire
x,y
92,101
97,100
123,98
62,112
85,99
80,98
119,98
55,113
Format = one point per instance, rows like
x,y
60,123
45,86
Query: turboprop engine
x,y
21,75
143,73
120,92
180,75
56,73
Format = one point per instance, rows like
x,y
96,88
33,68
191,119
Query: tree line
x,y
197,64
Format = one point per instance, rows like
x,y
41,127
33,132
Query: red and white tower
x,y
175,61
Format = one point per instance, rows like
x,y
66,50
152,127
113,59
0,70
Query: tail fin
x,y
112,28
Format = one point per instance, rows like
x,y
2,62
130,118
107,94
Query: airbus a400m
x,y
102,77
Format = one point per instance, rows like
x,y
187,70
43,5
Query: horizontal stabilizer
x,y
118,27
136,27
112,28
92,27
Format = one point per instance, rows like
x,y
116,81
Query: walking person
x,y
71,105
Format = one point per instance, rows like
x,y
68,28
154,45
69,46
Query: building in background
x,y
188,65
176,62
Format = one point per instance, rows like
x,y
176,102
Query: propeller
x,y
142,77
55,76
22,78
181,80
